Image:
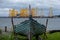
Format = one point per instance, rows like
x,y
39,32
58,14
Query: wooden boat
x,y
29,28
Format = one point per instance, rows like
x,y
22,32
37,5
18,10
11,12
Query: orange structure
x,y
13,13
25,12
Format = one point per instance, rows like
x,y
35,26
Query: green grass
x,y
53,36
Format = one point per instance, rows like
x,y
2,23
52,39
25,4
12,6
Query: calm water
x,y
53,23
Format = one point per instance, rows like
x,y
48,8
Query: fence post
x,y
5,28
46,28
0,31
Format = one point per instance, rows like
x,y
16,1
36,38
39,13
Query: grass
x,y
53,36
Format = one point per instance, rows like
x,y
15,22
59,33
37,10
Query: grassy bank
x,y
53,36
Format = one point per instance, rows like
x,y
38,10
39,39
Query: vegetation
x,y
53,36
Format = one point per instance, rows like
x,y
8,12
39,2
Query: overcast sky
x,y
5,5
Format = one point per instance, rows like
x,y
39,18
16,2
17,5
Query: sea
x,y
53,23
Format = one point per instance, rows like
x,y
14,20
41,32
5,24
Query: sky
x,y
5,5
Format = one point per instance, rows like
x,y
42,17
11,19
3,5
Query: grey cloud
x,y
43,4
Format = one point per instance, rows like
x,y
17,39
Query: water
x,y
53,23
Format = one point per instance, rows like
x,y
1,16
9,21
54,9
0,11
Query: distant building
x,y
13,13
39,12
51,11
42,12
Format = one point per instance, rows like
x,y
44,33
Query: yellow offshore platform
x,y
25,12
22,13
13,13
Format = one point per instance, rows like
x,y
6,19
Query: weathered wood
x,y
38,38
0,31
46,23
29,36
46,28
5,28
12,24
15,35
30,15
